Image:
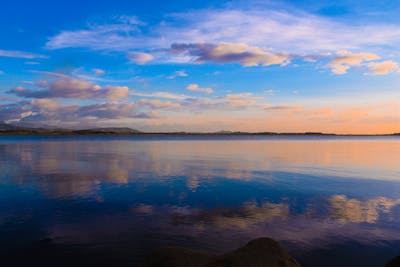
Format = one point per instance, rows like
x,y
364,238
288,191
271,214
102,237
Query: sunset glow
x,y
162,66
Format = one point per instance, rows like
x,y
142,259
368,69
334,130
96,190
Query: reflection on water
x,y
353,210
131,195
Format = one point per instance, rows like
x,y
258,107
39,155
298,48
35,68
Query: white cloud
x,y
140,58
178,73
197,88
20,54
98,72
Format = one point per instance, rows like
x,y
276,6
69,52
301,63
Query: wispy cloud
x,y
98,71
283,108
242,99
140,58
178,73
227,103
32,63
297,32
269,92
20,54
114,110
200,104
98,37
162,95
158,104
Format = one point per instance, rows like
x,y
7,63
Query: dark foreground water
x,y
109,201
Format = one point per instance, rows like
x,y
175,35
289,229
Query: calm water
x,y
108,201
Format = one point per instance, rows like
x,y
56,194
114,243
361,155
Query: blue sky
x,y
203,66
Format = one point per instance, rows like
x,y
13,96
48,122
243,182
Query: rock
x,y
394,262
258,252
261,252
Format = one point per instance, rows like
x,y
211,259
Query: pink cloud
x,y
230,53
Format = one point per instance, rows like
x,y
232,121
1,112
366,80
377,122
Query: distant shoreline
x,y
102,133
9,129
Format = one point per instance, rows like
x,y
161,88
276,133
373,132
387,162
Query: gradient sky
x,y
329,66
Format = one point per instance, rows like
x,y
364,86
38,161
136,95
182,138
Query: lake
x,y
109,201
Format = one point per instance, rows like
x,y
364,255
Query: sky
x,y
202,66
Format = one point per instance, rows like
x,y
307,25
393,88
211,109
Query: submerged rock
x,y
261,252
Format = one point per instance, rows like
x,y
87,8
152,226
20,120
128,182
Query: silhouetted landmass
x,y
108,130
10,129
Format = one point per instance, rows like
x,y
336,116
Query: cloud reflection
x,y
344,209
79,167
211,194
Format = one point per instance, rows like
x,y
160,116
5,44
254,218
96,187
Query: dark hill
x,y
108,130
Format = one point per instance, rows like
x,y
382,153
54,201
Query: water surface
x,y
109,201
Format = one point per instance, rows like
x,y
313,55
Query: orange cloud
x,y
197,88
383,68
344,60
